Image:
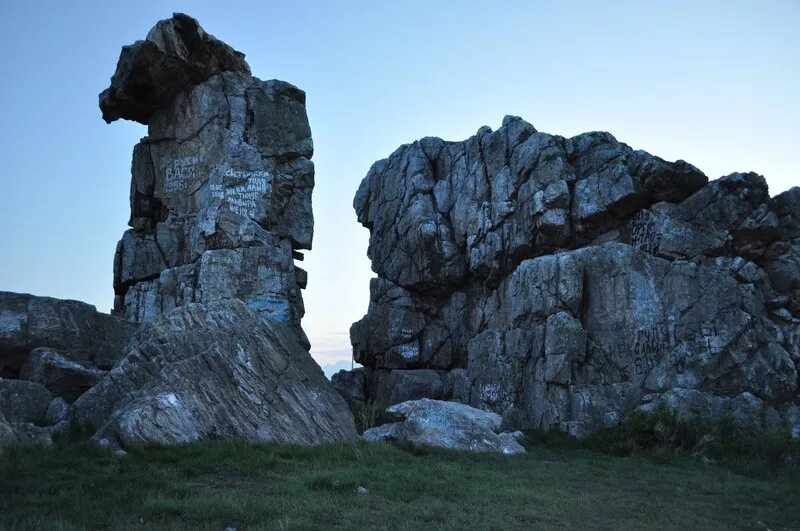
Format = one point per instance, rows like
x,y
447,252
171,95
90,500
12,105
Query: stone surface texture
x,y
221,185
76,331
350,385
213,371
51,351
565,282
450,425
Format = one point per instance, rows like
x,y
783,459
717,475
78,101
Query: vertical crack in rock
x,y
574,280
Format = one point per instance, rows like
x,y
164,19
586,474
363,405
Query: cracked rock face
x,y
221,185
176,54
75,331
51,351
213,371
563,283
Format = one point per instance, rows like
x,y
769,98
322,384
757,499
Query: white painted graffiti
x,y
181,172
242,197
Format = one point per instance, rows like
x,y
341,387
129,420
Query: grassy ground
x,y
233,484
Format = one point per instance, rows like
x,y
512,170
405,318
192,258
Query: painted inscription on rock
x,y
646,347
180,172
243,190
644,234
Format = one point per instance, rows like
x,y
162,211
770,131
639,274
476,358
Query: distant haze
x,y
715,84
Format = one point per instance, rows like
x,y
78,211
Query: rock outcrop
x,y
73,332
350,385
51,351
448,425
221,185
214,371
29,415
220,207
563,283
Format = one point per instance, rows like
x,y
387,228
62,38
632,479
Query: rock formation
x,y
74,330
213,371
221,185
563,283
220,207
448,425
51,351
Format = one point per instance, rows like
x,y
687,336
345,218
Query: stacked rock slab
x,y
565,282
221,185
214,371
51,352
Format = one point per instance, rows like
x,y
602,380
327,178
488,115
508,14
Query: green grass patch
x,y
559,483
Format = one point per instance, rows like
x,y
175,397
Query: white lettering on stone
x,y
242,197
181,172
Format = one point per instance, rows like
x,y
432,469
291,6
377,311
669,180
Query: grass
x,y
249,486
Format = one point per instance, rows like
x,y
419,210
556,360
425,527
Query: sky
x,y
713,83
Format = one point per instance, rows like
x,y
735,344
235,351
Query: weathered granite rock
x,y
559,282
23,434
22,401
745,410
62,376
350,385
449,425
221,186
74,328
177,54
57,411
213,371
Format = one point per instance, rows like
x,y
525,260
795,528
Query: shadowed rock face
x,y
75,329
221,186
215,371
565,282
176,55
51,351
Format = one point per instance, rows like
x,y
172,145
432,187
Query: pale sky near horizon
x,y
715,84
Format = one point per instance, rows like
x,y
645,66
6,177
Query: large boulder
x,y
214,371
350,385
61,375
221,185
448,425
563,283
22,401
23,434
76,329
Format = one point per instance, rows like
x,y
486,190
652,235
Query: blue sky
x,y
715,84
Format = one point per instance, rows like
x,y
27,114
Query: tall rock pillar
x,y
221,185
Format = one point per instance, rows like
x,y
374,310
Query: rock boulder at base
x,y
23,434
61,375
448,425
215,371
22,401
76,329
350,385
565,282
